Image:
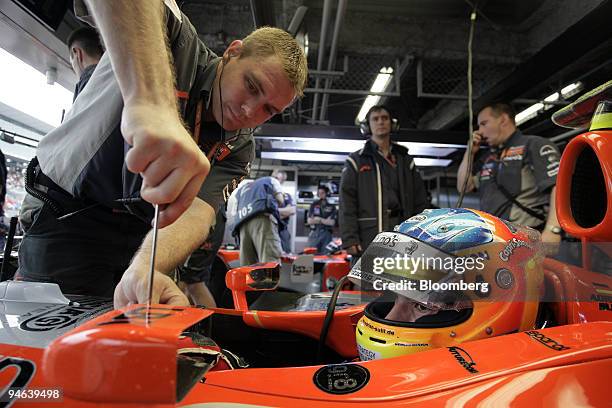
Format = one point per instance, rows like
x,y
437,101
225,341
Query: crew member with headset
x,y
380,185
258,221
321,219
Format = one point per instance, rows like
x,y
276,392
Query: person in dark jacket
x,y
380,185
85,53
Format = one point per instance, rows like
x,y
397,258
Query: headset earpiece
x,y
364,128
395,127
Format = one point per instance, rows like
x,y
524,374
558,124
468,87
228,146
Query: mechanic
x,y
321,217
380,185
85,53
258,221
93,219
286,210
516,175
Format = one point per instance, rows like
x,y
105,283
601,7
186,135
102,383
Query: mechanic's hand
x,y
171,164
476,141
134,288
354,250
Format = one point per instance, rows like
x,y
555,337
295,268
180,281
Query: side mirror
x,y
258,277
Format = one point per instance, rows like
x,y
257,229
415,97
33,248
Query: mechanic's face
x,y
380,123
405,310
322,194
491,127
253,89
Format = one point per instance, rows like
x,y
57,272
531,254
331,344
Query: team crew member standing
x,y
258,221
92,223
380,185
85,53
321,218
516,176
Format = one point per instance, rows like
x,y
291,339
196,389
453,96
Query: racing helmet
x,y
447,276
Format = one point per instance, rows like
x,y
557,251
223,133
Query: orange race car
x,y
539,333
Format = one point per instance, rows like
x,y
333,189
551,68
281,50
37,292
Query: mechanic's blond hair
x,y
267,41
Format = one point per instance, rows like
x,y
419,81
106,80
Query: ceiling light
x,y
529,113
533,111
572,89
427,162
380,85
552,98
304,157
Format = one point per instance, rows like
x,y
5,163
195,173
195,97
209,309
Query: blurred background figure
x,y
321,218
286,210
258,221
85,53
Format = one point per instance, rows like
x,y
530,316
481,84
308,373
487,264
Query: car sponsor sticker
x,y
367,354
547,341
464,359
341,378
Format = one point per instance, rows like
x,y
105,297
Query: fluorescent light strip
x,y
340,158
380,85
304,157
533,111
427,162
338,144
348,146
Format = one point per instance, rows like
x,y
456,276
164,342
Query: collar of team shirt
x,y
390,158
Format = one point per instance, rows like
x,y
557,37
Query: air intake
x,y
588,196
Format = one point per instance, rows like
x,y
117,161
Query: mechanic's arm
x,y
462,173
174,244
287,211
551,221
312,220
280,200
330,221
171,164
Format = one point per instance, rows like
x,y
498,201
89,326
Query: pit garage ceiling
x,y
523,50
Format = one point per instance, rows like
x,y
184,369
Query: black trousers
x,y
85,254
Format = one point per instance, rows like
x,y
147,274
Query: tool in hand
x,y
153,250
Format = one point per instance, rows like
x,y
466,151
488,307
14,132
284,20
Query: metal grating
x,y
362,70
442,78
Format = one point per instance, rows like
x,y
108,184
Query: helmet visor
x,y
415,270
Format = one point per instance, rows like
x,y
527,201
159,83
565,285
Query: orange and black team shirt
x,y
526,166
